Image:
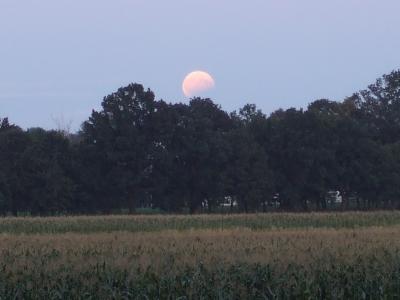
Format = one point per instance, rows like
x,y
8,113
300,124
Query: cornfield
x,y
271,256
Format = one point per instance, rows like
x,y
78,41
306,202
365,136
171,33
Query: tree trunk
x,y
304,204
345,200
245,205
132,203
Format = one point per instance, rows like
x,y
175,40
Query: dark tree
x,y
139,152
117,141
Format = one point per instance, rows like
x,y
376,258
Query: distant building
x,y
229,201
334,197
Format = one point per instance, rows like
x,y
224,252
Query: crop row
x,y
239,281
362,263
95,224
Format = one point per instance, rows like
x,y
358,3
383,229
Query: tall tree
x,y
118,139
13,142
380,106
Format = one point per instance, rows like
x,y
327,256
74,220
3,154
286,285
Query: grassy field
x,y
150,223
271,256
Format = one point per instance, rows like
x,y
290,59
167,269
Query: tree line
x,y
138,152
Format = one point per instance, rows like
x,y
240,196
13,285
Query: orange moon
x,y
197,82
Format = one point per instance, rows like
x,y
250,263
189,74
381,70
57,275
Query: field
x,y
265,256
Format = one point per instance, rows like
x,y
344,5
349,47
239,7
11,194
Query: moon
x,y
197,82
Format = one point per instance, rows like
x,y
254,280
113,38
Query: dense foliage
x,y
240,281
137,152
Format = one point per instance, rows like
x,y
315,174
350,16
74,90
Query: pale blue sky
x,y
59,58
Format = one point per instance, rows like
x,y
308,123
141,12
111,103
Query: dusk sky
x,y
59,58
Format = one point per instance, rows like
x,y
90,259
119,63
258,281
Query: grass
x,y
150,223
273,256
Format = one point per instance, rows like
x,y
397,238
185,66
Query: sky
x,y
58,59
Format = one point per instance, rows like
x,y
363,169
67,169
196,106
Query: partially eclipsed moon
x,y
197,82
